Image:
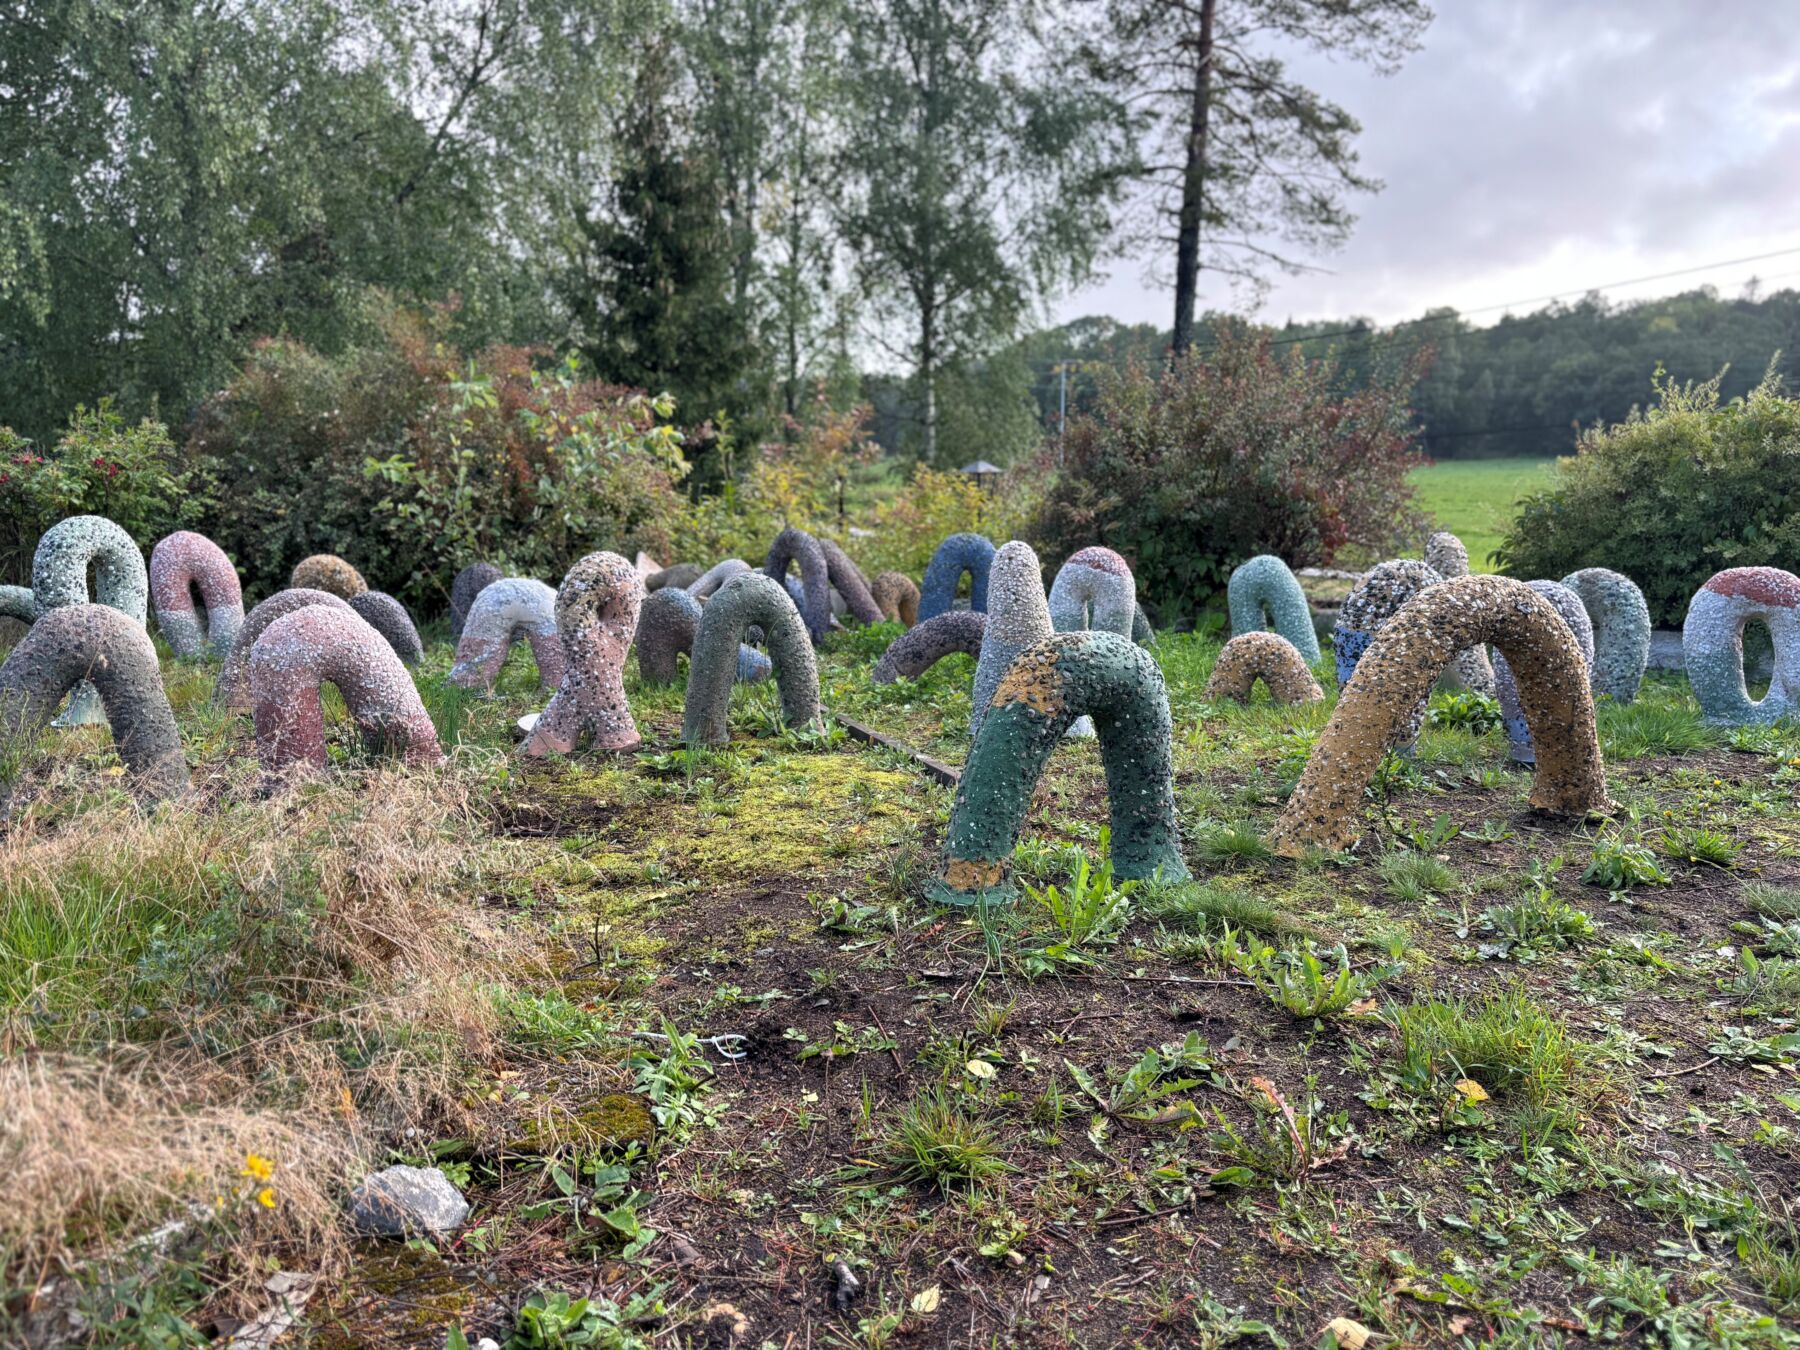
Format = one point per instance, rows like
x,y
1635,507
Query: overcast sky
x,y
1541,146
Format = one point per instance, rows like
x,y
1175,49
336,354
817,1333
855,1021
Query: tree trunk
x,y
928,383
1193,191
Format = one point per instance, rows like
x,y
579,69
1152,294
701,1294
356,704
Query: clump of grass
x,y
1539,920
1619,866
1225,844
1415,877
1649,727
1770,1251
1212,906
1773,981
1773,901
1506,1041
1695,844
937,1142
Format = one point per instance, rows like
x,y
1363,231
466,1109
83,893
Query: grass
x,y
1474,498
674,1012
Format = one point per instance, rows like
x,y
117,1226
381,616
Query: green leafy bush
x,y
100,466
1189,471
411,459
1671,495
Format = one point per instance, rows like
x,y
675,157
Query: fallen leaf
x,y
1471,1090
926,1300
1350,1335
979,1068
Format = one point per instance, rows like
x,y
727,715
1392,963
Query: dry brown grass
x,y
342,1008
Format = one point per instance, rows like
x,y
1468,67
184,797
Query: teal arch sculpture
x,y
749,598
1263,594
1621,619
1097,674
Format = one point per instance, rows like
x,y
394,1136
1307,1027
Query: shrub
x,y
101,466
1192,470
411,459
1672,495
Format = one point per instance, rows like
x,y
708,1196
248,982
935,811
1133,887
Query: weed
x,y
1095,907
1692,843
1282,1143
1225,844
1618,866
1434,837
1773,982
1466,710
1508,1042
1150,1091
1208,906
936,1141
1772,901
1297,980
1540,920
1415,877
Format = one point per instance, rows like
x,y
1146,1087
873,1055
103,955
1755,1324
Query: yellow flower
x,y
266,1197
257,1166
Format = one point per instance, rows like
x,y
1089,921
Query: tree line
x,y
741,202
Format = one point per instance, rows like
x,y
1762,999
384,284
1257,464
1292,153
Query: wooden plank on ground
x,y
939,770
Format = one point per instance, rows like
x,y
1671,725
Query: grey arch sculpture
x,y
513,609
1621,620
597,609
959,553
668,624
1018,616
388,617
100,645
469,583
923,645
233,687
739,603
716,576
1094,591
1446,555
59,579
797,546
1264,595
848,580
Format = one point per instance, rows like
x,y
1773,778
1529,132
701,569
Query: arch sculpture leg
x,y
180,564
388,617
1712,644
108,648
793,545
1621,621
596,616
716,576
300,652
1018,617
1263,593
1115,682
959,553
1568,606
847,577
1268,657
918,649
896,597
1446,555
469,583
59,571
1398,669
749,599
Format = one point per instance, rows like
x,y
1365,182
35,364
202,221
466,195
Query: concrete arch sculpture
x,y
1099,674
186,566
1446,555
1398,670
319,644
750,599
17,610
1094,590
1143,632
848,581
959,553
469,583
716,576
1018,616
1263,594
1384,590
1568,607
513,609
326,572
797,546
1712,644
97,643
667,626
1269,657
680,575
233,687
388,617
59,578
896,597
1621,621
597,609
921,647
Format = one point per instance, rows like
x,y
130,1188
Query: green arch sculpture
x,y
1098,674
748,598
1263,594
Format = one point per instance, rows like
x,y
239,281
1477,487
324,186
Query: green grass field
x,y
1474,498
